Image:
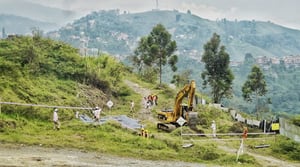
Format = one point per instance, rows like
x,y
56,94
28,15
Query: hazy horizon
x,y
279,12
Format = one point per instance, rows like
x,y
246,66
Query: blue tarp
x,y
122,119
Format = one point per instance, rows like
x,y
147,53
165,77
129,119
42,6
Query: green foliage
x,y
236,128
42,71
255,84
155,51
296,120
289,148
245,158
217,72
182,78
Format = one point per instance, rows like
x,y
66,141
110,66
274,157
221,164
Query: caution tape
x,y
46,106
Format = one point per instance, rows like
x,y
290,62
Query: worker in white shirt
x,y
214,128
55,120
97,113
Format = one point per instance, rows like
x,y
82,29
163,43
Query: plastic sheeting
x,y
125,121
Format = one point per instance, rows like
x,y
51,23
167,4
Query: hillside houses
x,y
265,62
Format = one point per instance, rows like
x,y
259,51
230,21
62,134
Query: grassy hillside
x,y
41,71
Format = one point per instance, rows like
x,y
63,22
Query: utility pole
x,y
156,4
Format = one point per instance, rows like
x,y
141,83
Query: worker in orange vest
x,y
245,133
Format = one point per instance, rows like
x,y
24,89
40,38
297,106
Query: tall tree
x,y
156,50
217,72
254,86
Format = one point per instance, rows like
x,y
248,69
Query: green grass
x,y
109,138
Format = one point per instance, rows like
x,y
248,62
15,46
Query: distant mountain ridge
x,y
20,25
34,11
118,34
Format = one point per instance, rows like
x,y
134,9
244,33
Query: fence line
x,y
46,106
209,139
226,134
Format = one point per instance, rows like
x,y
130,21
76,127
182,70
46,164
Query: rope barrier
x,y
215,139
226,134
46,106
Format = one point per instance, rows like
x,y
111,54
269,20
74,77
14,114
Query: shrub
x,y
288,147
296,120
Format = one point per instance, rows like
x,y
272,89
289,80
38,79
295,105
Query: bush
x,y
245,158
296,120
288,147
236,128
210,155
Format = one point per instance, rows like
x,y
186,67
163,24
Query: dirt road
x,y
35,156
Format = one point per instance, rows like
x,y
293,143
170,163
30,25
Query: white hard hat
x,y
97,107
56,110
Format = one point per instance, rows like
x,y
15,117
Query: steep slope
x,y
41,71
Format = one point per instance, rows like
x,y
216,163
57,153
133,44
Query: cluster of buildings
x,y
287,61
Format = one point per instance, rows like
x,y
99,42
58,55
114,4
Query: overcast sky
x,y
283,12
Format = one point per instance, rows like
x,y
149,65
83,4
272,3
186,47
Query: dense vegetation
x,y
217,73
37,70
155,51
282,85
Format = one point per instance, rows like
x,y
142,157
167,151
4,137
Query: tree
x,y
254,85
155,50
182,78
217,72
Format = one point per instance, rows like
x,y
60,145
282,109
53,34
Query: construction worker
x,y
146,135
97,113
132,106
214,128
142,131
55,120
245,133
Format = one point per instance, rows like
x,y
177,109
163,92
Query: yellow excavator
x,y
169,118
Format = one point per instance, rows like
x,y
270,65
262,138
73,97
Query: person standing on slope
x,y
214,128
97,113
55,120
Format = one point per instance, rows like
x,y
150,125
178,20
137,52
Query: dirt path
x,y
143,113
265,161
35,156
